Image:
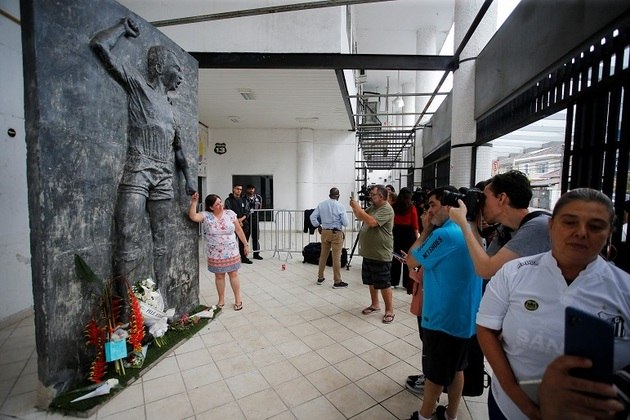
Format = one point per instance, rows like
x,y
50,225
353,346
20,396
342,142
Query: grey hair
x,y
382,191
586,194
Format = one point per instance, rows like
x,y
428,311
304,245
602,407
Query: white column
x,y
426,44
408,121
304,169
484,163
463,126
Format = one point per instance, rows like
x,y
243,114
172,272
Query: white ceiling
x,y
290,98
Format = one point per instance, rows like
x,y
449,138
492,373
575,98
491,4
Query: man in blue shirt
x,y
452,292
329,217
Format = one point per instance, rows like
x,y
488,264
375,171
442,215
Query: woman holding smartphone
x,y
520,324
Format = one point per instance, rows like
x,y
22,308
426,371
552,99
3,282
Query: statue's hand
x,y
191,188
131,27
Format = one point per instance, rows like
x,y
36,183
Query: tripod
x,y
356,241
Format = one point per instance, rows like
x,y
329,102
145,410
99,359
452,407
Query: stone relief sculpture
x,y
154,148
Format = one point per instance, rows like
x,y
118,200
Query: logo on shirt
x,y
616,321
432,247
530,305
526,262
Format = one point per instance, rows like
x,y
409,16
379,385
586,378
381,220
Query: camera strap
x,y
506,233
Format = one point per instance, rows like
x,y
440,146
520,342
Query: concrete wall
x,y
16,298
275,152
440,131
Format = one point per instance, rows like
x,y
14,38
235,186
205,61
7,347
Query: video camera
x,y
419,197
364,194
473,198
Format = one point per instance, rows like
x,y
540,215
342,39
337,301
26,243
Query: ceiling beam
x,y
296,7
334,61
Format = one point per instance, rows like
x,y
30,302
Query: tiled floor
x,y
296,351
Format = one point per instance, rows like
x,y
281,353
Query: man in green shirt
x,y
376,243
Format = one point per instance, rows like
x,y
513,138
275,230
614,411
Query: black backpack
x,y
311,254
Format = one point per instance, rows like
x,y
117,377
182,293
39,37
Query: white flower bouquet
x,y
152,306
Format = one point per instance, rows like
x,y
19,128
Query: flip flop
x,y
369,310
238,306
388,318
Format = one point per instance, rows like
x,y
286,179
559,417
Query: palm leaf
x,y
85,272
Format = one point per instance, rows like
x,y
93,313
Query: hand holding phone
x,y
588,336
399,257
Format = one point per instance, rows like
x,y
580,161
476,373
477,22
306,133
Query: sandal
x,y
238,306
388,318
220,306
369,310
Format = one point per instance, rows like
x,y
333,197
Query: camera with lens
x,y
472,197
364,194
419,197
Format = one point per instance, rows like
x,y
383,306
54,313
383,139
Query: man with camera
x,y
452,292
519,233
376,244
505,201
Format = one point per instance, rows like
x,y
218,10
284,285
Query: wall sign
x,y
220,148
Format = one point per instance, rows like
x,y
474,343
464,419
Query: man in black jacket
x,y
254,202
238,205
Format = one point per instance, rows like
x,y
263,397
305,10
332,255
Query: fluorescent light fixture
x,y
306,120
398,102
247,94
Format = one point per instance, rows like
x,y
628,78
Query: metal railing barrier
x,y
284,233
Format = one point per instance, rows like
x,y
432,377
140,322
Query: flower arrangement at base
x,y
152,307
106,330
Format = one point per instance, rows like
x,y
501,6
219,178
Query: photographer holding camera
x,y
519,232
451,296
505,201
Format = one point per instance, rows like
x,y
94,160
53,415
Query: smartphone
x,y
352,195
530,387
399,257
588,336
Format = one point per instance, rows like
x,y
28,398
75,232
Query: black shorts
x,y
376,273
443,355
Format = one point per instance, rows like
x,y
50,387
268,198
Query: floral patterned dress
x,y
222,243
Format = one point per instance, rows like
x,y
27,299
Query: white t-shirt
x,y
526,300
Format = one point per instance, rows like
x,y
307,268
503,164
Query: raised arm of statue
x,y
104,41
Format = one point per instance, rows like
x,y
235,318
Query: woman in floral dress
x,y
222,248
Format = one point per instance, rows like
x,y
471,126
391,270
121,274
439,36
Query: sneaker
x,y
440,413
417,386
414,416
246,261
320,281
340,285
414,378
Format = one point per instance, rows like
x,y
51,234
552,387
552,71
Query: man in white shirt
x,y
329,217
